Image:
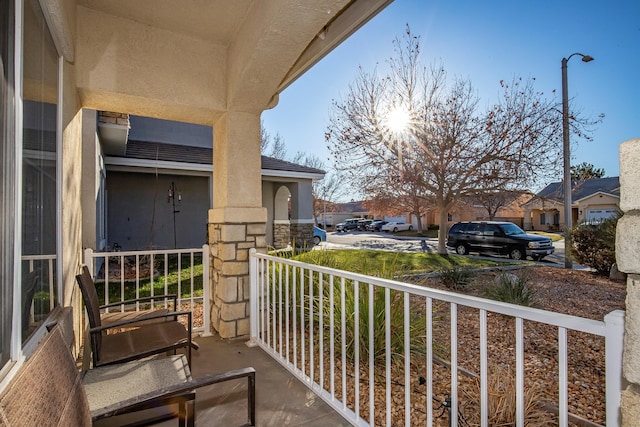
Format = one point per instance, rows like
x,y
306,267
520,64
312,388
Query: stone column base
x,y
230,244
281,234
302,235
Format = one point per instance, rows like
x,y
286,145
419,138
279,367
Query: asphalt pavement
x,y
392,242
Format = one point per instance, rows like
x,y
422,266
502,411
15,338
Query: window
x,y
491,230
39,171
28,183
7,177
543,218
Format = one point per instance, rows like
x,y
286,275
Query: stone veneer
x,y
302,235
281,235
628,261
230,244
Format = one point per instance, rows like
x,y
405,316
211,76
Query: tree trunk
x,y
418,222
442,232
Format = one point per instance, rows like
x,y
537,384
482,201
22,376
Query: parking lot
x,y
391,242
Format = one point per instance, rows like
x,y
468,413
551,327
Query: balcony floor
x,y
281,399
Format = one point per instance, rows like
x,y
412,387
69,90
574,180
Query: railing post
x,y
206,289
88,260
614,339
253,296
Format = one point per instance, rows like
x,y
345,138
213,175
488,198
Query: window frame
x,y
12,260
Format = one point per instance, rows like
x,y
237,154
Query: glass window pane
x,y
39,210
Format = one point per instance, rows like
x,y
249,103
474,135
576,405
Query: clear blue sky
x,y
486,41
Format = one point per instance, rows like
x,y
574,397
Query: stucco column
x,y
237,220
627,249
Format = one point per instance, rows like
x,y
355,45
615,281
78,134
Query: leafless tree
x,y
492,202
325,191
449,147
272,146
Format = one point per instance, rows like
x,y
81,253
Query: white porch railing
x,y
298,317
176,270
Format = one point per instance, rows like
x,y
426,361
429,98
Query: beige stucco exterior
x,y
553,210
597,201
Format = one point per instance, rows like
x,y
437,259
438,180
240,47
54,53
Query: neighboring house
x,y
338,212
470,210
159,193
592,200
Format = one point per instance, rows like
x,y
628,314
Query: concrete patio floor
x,y
281,399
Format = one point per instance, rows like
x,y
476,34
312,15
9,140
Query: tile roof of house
x,y
582,189
199,155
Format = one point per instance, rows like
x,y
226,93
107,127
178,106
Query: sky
x,y
485,42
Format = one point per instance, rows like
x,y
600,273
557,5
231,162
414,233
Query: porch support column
x,y
237,220
627,260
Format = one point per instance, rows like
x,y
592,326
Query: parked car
x,y
363,223
504,238
319,235
396,226
376,225
348,224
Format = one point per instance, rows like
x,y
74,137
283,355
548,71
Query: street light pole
x,y
568,263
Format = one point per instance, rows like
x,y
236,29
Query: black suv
x,y
348,225
504,238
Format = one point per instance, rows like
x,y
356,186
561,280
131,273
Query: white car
x,y
396,226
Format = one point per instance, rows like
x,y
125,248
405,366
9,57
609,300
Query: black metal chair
x,y
132,339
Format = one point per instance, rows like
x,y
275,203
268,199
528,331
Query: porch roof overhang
x,y
195,61
542,204
123,164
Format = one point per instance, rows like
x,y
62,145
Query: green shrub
x,y
456,278
417,322
595,245
387,270
512,288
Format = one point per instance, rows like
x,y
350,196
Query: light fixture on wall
x,y
173,194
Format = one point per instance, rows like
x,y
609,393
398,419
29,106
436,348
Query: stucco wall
x,y
597,201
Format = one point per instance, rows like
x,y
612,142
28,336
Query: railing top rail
x,y
591,326
37,257
148,252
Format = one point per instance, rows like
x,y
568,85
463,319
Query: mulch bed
x,y
578,293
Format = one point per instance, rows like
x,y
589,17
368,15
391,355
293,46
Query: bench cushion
x,y
109,385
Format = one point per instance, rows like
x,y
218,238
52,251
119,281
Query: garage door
x,y
597,215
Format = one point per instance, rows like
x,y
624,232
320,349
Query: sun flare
x,y
398,120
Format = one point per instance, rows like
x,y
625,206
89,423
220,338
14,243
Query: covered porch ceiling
x,y
193,60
